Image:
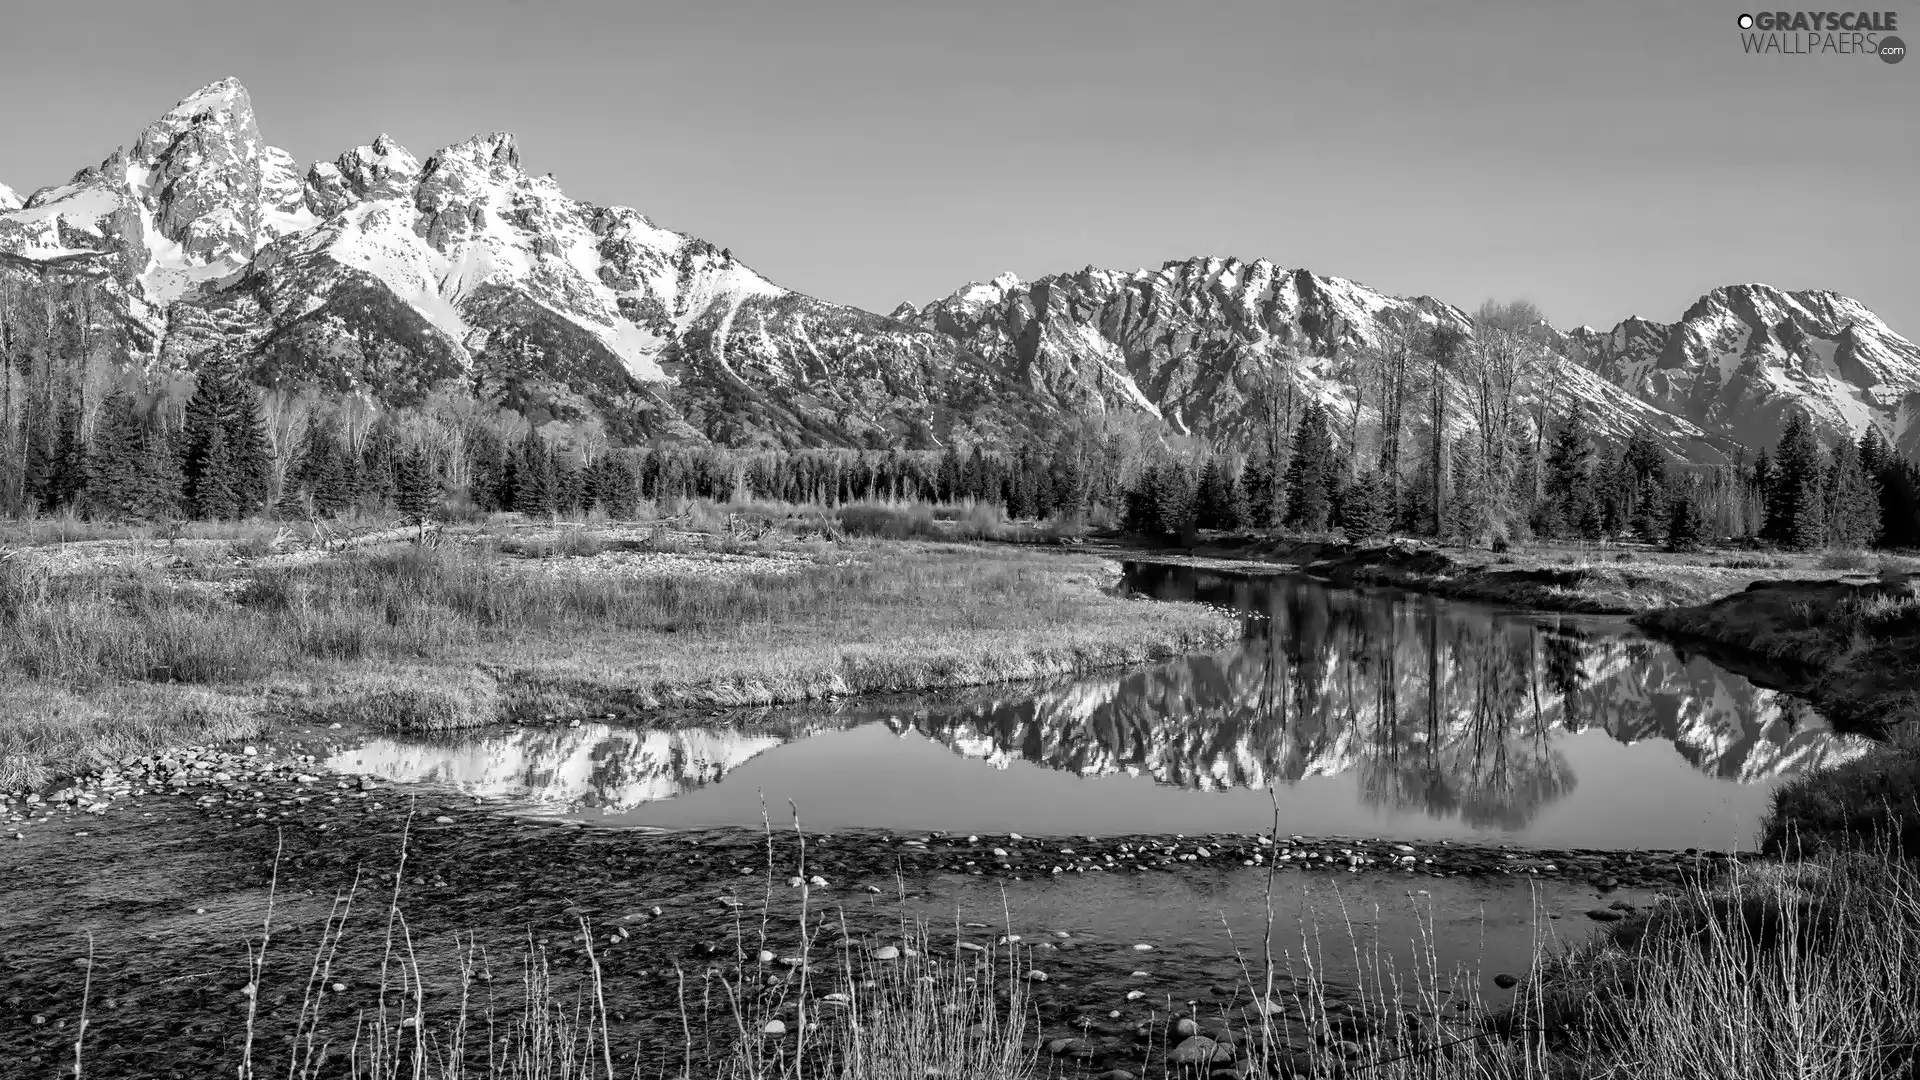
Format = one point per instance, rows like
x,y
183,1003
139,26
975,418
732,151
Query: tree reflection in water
x,y
1440,708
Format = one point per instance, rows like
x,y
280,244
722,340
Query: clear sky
x,y
1601,159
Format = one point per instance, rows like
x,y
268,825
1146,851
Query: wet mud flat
x,y
143,911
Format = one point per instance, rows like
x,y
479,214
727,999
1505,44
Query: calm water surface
x,y
1355,712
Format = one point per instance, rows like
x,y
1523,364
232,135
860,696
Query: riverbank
x,y
113,652
1576,579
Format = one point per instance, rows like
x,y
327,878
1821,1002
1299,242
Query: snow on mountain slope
x,y
1744,356
591,766
9,199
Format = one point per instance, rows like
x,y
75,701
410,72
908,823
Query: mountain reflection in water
x,y
1430,708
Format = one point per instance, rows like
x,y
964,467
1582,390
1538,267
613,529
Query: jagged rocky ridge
x,y
386,275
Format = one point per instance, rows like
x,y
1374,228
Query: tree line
x,y
1366,466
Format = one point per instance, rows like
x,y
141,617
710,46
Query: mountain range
x,y
382,274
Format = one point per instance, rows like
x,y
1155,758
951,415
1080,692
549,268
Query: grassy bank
x,y
1616,579
538,627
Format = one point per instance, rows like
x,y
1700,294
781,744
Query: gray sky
x,y
1600,159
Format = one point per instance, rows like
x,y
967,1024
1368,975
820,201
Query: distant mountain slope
x,y
1193,340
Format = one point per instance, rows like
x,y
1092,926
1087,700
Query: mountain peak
x,y
490,149
223,93
379,169
9,199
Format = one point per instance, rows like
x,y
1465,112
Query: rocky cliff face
x,y
386,275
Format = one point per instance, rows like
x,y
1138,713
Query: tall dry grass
x,y
466,633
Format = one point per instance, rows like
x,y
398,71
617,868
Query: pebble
x,y
886,952
775,1027
1505,981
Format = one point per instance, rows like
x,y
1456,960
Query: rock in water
x,y
1199,1050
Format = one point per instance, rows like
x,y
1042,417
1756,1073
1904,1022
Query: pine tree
x,y
1363,507
1569,481
324,472
1139,513
950,475
1900,504
132,473
1852,506
1173,500
1794,501
224,460
247,447
214,493
1645,473
1218,503
1684,524
1310,472
380,464
621,499
1069,481
416,491
534,480
1260,490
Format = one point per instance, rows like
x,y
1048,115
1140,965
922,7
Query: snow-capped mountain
x,y
384,274
1193,341
1743,356
390,275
